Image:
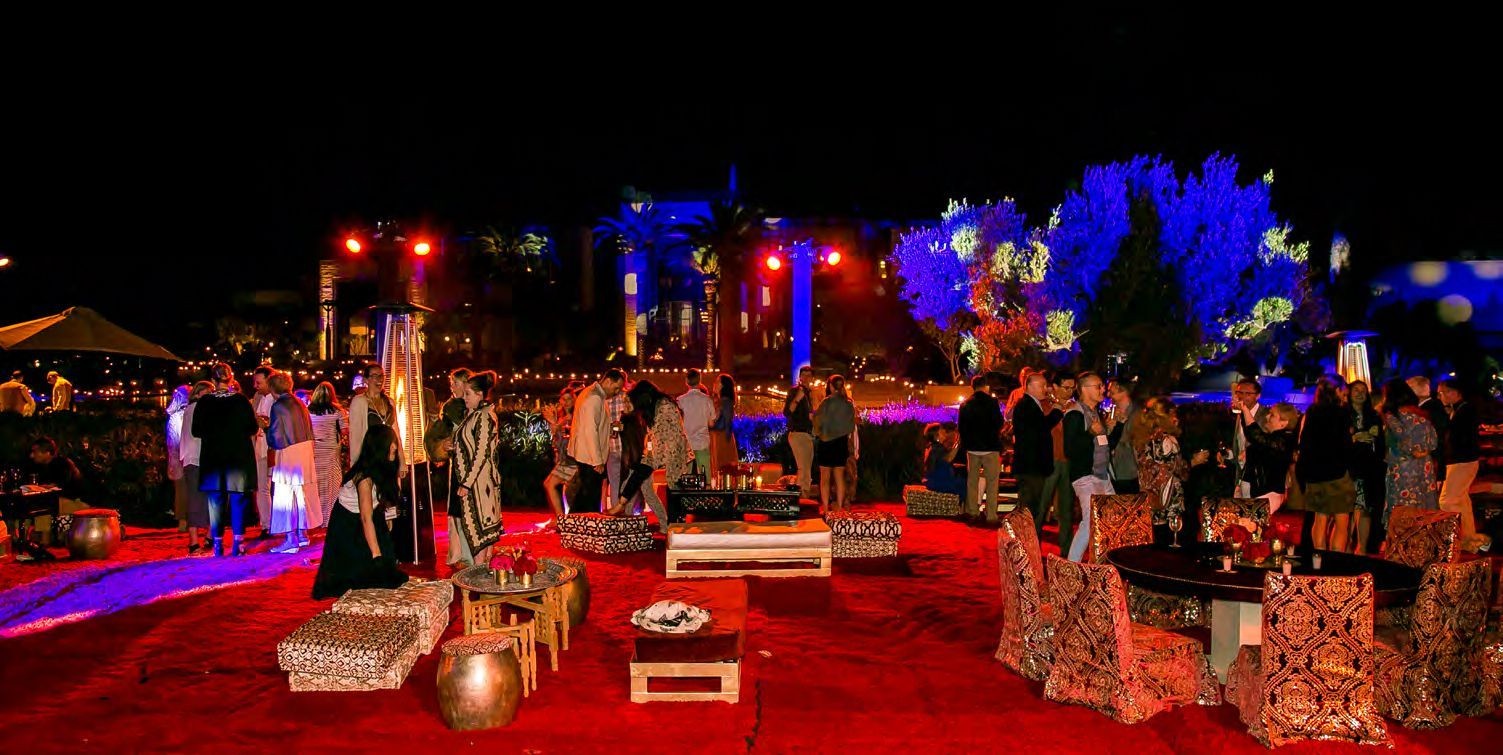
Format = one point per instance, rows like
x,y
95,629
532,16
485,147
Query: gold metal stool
x,y
480,682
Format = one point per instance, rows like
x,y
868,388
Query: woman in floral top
x,y
1411,450
1161,467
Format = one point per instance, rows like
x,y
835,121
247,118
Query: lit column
x,y
803,306
328,327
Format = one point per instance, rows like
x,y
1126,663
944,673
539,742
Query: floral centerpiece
x,y
517,561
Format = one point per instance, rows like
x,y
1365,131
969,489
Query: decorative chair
x,y
1224,511
1027,628
1104,661
1312,678
1429,674
1118,521
1420,537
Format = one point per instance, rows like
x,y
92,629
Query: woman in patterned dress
x,y
667,444
330,427
1411,450
1161,467
477,522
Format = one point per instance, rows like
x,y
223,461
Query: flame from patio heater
x,y
402,360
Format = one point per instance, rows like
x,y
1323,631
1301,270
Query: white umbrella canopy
x,y
79,329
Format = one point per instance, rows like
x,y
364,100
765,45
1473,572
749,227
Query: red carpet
x,y
888,655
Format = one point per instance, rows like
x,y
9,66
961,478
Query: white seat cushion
x,y
802,533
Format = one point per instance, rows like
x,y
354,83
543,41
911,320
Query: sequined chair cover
x,y
1224,511
1312,678
1429,674
1104,661
1118,521
1026,646
1420,537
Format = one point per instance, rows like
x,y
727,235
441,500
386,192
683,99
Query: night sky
x,y
150,196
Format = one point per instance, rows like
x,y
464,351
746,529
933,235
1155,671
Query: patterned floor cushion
x,y
922,501
349,652
428,601
864,534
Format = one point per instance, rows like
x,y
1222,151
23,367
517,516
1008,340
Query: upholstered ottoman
x,y
731,546
713,651
598,533
921,501
864,534
428,601
345,652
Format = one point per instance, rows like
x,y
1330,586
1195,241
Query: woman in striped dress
x,y
331,425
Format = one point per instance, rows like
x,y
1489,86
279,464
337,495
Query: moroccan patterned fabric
x,y
1118,521
1224,511
1431,673
1313,676
1418,537
1104,661
1026,646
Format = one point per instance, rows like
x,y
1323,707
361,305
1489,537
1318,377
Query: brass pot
x,y
479,691
577,593
94,536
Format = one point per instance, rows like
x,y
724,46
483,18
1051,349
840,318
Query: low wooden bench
x,y
729,546
712,652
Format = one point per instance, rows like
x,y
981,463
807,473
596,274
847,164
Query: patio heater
x,y
1351,355
400,346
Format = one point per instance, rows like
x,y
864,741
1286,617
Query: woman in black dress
x,y
226,425
358,551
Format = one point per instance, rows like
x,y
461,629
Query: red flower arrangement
x,y
1257,550
1282,531
518,560
1236,533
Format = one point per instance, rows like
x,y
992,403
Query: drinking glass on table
x,y
1176,523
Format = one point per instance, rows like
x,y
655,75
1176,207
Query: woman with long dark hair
x,y
1321,469
476,518
654,420
834,421
358,552
723,451
1411,450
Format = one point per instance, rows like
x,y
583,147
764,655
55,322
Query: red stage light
x,y
832,259
421,249
353,245
774,262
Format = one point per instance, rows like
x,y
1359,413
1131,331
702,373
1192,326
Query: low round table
x,y
1237,596
481,598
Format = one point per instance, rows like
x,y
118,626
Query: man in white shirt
x,y
699,412
262,402
590,437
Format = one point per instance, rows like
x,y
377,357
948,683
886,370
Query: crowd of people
x,y
1346,462
16,397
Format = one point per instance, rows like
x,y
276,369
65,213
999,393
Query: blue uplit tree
x,y
935,282
1132,246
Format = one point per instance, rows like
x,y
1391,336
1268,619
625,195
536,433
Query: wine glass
x,y
1176,523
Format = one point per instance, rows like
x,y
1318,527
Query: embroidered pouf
x,y
339,652
598,533
921,501
864,534
427,601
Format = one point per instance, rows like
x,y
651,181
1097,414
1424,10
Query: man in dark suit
x,y
981,436
1033,419
1245,411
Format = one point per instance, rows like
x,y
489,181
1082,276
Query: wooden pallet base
x,y
728,672
819,558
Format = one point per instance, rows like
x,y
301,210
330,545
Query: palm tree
x,y
506,264
723,244
639,229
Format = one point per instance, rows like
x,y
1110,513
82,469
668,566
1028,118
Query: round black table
x,y
1236,597
1195,569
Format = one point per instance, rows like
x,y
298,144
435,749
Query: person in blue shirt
x,y
943,442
